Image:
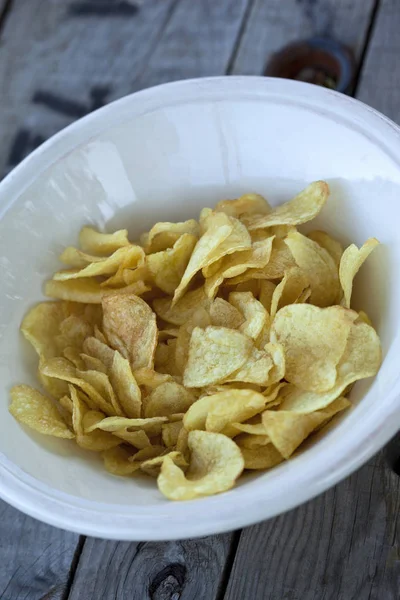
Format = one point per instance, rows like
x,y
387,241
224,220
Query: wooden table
x,y
60,59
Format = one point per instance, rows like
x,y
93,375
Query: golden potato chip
x,y
164,235
262,457
252,285
73,331
256,430
89,362
166,334
215,353
130,326
76,258
41,325
288,290
170,433
96,242
168,266
311,356
150,378
362,356
128,256
229,407
168,398
96,440
281,259
248,204
235,264
304,207
152,425
88,290
287,430
101,383
318,267
215,464
200,318
99,350
116,461
223,314
253,311
36,411
267,289
165,358
139,439
255,370
153,466
180,312
125,387
350,264
332,246
60,368
146,453
79,408
300,401
246,440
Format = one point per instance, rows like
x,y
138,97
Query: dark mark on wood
x,y
71,108
168,583
102,8
24,142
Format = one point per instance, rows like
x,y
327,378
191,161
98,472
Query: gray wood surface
x,y
35,559
59,60
188,570
344,545
272,24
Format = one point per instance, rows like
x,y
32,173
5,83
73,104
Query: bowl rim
x,y
174,520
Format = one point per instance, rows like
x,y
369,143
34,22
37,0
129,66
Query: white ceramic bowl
x,y
161,154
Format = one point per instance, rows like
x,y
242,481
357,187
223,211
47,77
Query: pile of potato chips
x,y
211,347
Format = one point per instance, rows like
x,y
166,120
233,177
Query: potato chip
x,y
36,411
304,207
60,368
215,464
88,362
318,267
200,318
153,466
252,285
99,350
96,440
41,326
152,425
130,326
233,406
223,314
182,310
253,442
256,430
128,256
255,370
235,264
267,289
116,461
96,242
281,259
253,311
350,264
76,258
146,453
168,266
101,383
125,387
332,246
215,353
87,290
170,433
164,235
287,430
79,408
311,357
288,290
73,331
138,439
248,204
150,378
168,398
262,457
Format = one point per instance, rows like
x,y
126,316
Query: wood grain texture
x,y
187,570
35,559
379,83
344,545
273,24
57,65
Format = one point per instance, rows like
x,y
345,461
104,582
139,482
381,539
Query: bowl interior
x,y
163,156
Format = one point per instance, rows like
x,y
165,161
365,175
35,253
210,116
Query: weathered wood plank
x,y
344,545
57,64
273,24
35,559
379,84
188,570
